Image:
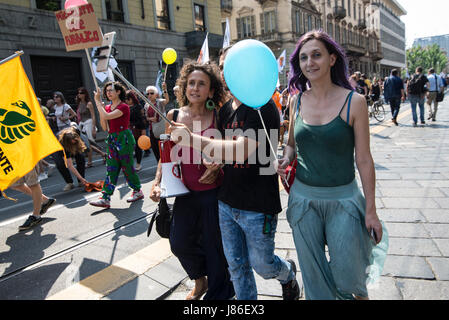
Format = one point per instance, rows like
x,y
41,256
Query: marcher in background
x,y
328,122
44,109
156,124
416,89
435,85
375,89
284,117
29,184
362,87
195,236
115,119
74,147
86,118
394,93
137,123
63,112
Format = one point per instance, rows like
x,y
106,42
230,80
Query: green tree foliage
x,y
427,57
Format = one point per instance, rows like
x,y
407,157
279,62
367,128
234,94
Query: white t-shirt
x,y
62,111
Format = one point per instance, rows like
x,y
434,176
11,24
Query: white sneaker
x,y
138,167
42,176
68,186
136,195
51,168
104,203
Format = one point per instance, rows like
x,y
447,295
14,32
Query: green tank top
x,y
325,152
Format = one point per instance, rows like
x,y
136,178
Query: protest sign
x,y
79,27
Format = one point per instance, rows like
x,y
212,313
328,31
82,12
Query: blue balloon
x,y
251,72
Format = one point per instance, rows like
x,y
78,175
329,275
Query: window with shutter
x,y
262,24
239,28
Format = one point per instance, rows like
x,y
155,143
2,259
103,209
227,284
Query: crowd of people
x,y
224,228
418,89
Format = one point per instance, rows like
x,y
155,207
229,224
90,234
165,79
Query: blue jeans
x,y
416,99
246,247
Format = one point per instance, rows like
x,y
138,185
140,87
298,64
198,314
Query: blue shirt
x,y
393,87
433,82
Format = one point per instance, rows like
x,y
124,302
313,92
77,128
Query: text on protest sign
x,y
79,27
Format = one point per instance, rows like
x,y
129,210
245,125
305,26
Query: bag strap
x,y
175,114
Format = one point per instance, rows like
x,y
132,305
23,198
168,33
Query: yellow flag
x,y
25,137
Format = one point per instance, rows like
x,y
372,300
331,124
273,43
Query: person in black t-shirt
x,y
249,195
361,87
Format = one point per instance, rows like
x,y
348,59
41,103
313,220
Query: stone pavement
x,y
412,171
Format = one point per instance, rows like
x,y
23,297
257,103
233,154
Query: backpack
x,y
414,85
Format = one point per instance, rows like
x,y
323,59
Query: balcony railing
x,y
376,52
339,12
362,24
353,49
269,36
226,5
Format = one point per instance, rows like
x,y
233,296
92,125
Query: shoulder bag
x,y
440,95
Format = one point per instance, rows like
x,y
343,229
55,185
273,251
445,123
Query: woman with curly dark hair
x,y
195,236
120,141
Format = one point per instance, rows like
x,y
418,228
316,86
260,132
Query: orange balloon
x,y
144,142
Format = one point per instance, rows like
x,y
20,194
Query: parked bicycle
x,y
376,108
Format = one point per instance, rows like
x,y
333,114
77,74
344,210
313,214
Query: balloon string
x,y
269,142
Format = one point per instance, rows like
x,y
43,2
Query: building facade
x,y
442,41
384,17
365,28
144,29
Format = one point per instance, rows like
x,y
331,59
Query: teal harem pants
x,y
120,156
332,216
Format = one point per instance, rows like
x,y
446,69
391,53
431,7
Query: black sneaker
x,y
45,206
31,222
290,290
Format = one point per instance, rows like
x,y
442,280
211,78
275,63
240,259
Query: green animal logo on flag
x,y
14,124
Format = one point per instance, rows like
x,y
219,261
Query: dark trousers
x,y
64,171
155,146
195,238
138,152
395,104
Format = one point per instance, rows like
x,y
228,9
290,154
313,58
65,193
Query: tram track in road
x,y
77,246
83,243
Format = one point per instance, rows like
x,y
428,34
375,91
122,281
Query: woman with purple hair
x,y
328,123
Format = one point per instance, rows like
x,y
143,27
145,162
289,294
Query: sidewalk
x,y
412,174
